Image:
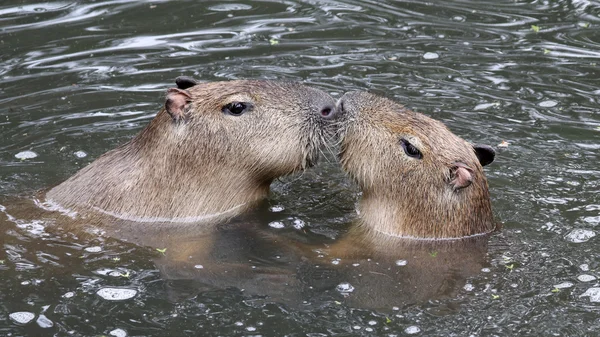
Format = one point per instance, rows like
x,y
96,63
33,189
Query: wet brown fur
x,y
404,196
207,162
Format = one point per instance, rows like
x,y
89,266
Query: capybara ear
x,y
485,154
177,103
184,82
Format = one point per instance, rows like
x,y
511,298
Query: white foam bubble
x,y
95,249
580,235
80,154
586,278
44,322
276,208
26,155
413,329
118,333
430,56
593,294
22,317
276,224
230,7
116,294
344,288
563,285
548,104
401,262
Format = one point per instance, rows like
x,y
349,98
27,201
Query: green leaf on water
x,y
510,266
546,51
535,28
598,128
555,290
585,24
116,259
387,320
433,254
162,251
274,41
1,261
337,302
126,275
495,297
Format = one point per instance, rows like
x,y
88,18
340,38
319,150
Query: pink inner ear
x,y
176,104
462,178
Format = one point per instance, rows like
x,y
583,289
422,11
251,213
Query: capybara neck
x,y
156,178
415,219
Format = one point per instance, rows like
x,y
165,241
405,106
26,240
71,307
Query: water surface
x,y
79,78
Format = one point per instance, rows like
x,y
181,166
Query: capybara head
x,y
418,178
213,147
262,128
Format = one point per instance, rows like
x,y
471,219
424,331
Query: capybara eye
x,y
410,149
235,108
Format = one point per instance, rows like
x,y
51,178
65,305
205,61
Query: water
x,y
79,78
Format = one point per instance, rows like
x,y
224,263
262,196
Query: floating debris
x,y
401,263
26,155
274,42
199,266
503,144
535,28
116,294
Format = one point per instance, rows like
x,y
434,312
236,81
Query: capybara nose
x,y
328,111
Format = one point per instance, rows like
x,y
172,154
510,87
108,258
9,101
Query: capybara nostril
x,y
328,111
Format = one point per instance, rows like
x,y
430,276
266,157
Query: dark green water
x,y
87,75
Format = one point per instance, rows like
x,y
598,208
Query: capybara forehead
x,y
257,90
436,139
